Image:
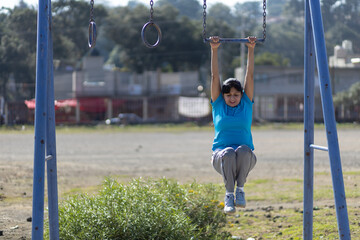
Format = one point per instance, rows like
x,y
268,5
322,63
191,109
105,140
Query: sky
x,y
12,3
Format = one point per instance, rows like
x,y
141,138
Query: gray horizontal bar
x,y
49,157
319,147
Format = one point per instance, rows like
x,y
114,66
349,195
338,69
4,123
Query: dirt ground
x,y
84,159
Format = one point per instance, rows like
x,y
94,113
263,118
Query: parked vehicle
x,y
125,119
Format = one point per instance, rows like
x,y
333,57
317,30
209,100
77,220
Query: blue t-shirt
x,y
232,124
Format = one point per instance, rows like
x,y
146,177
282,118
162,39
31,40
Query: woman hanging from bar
x,y
233,147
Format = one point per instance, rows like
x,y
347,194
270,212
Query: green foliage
x,y
181,46
220,12
341,21
181,23
275,8
17,50
248,14
349,98
271,59
348,101
294,8
18,34
287,39
218,27
189,8
144,209
70,29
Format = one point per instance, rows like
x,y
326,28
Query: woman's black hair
x,y
231,83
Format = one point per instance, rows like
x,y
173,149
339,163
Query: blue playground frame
x,y
315,47
45,144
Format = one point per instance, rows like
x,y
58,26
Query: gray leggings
x,y
234,165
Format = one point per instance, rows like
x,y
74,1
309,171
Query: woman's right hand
x,y
251,43
214,42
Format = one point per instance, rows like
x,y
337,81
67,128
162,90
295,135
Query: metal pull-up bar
x,y
234,40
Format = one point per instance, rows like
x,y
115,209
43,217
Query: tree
x,y
188,8
221,13
227,51
345,22
248,19
327,12
249,13
17,51
181,45
294,9
354,93
349,101
275,8
181,48
70,29
271,59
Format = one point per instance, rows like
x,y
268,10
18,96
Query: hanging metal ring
x,y
92,34
158,33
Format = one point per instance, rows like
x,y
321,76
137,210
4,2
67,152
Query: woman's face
x,y
233,97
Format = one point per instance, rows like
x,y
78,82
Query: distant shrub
x,y
142,210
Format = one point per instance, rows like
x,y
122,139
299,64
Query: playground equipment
x,y
92,27
234,40
205,39
148,24
315,46
45,145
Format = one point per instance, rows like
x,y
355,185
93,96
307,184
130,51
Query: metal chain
x,y
151,10
91,10
264,20
204,20
92,27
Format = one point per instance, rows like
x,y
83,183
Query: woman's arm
x,y
215,77
249,76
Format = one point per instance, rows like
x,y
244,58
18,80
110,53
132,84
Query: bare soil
x,y
84,159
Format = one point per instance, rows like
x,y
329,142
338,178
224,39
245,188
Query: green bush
x,y
144,209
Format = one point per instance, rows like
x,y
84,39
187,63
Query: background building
x,y
94,93
279,91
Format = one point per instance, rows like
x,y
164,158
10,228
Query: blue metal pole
x,y
40,121
309,83
51,142
329,119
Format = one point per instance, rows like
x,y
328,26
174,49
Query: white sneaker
x,y
229,204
